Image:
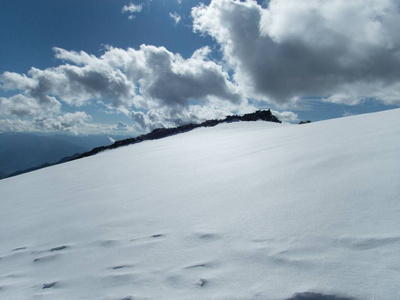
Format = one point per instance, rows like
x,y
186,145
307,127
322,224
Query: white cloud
x,y
347,114
69,122
341,98
167,117
75,123
123,78
122,126
175,81
344,52
16,125
286,116
23,106
149,79
132,9
75,85
313,48
176,17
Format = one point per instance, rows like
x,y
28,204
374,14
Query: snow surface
x,y
240,211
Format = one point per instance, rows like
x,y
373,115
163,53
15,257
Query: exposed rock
x,y
263,115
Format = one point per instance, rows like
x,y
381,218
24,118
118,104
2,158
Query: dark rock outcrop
x,y
260,115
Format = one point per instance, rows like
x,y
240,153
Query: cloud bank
x,y
150,80
340,50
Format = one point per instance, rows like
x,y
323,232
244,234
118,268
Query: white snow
x,y
239,211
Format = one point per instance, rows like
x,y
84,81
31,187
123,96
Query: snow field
x,y
239,211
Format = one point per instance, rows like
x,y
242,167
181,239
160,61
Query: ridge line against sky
x,y
127,67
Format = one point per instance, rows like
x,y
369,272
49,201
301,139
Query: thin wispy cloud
x,y
176,17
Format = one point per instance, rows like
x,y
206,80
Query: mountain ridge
x,y
158,133
264,115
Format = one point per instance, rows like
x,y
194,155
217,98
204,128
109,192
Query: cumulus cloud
x,y
343,52
286,116
148,121
123,78
16,125
166,117
72,123
175,81
313,48
73,84
176,17
122,126
67,122
150,79
131,9
23,106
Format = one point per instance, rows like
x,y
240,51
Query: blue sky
x,y
126,67
30,29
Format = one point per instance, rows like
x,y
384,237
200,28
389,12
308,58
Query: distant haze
x,y
20,151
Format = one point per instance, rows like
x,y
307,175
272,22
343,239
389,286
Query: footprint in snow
x,y
121,267
108,243
367,243
45,258
157,235
104,243
196,266
209,236
49,285
202,282
17,252
54,249
122,279
206,236
317,296
13,276
143,239
18,249
59,248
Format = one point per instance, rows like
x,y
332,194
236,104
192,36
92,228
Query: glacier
x,y
247,210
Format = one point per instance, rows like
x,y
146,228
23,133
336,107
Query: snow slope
x,y
239,211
